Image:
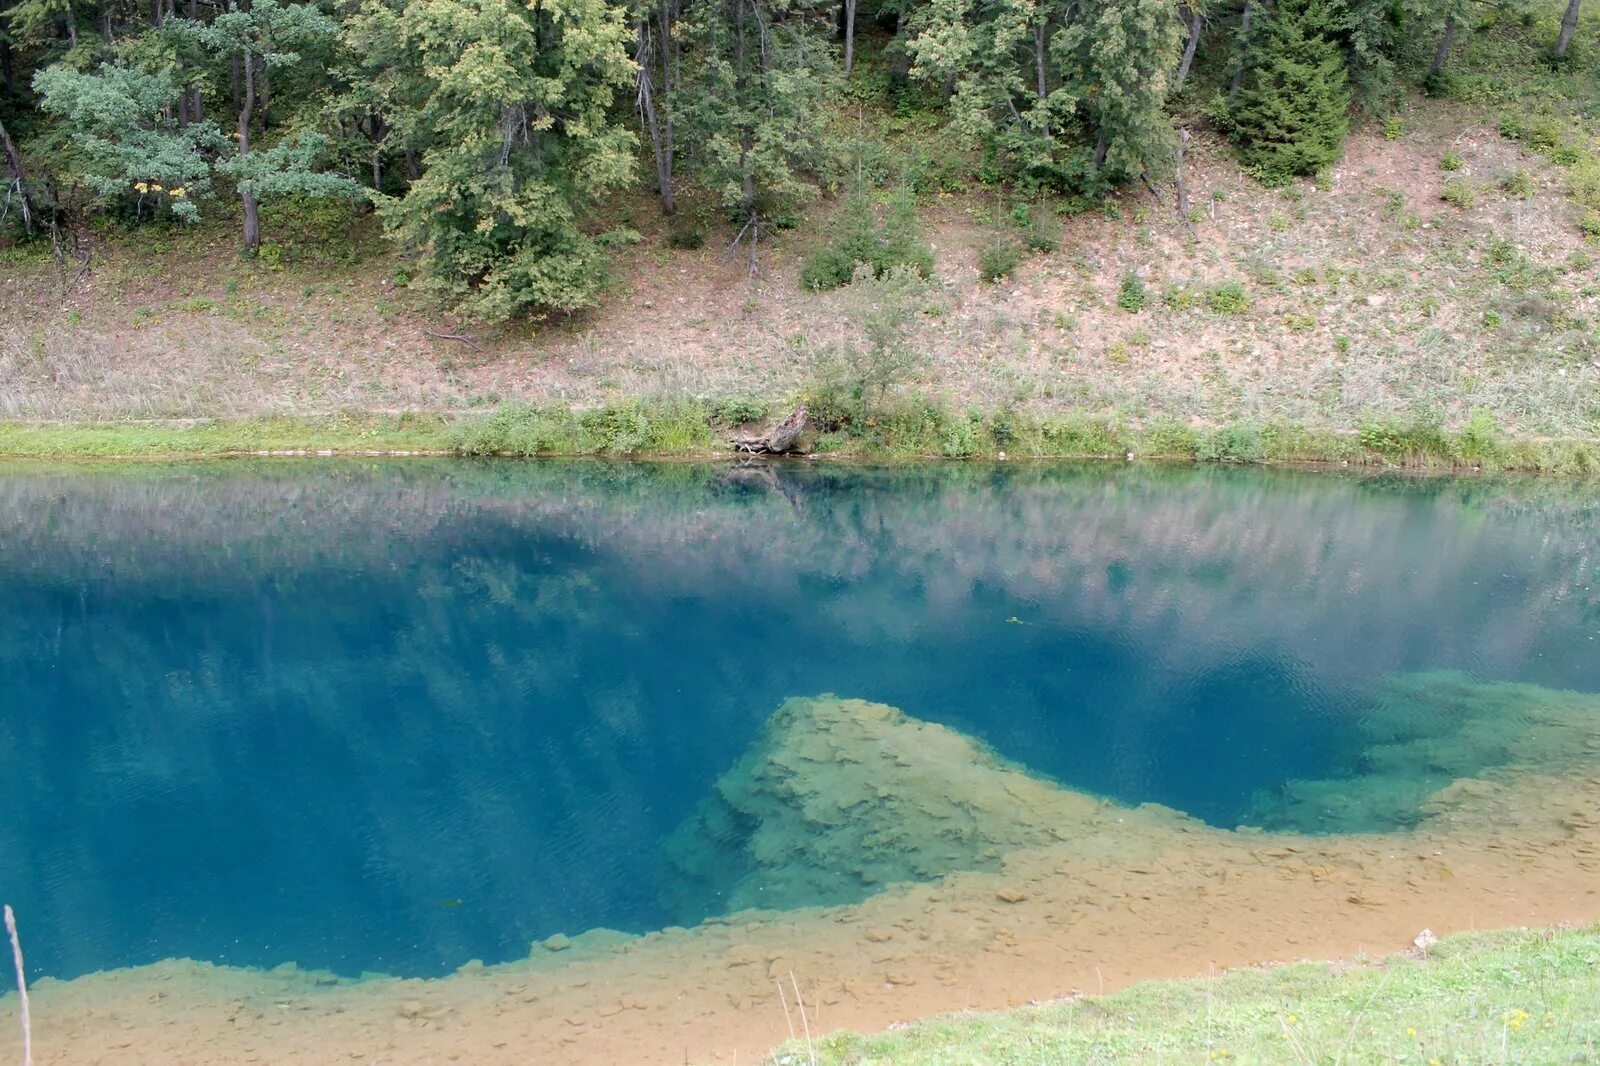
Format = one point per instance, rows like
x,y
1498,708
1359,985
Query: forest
x,y
491,137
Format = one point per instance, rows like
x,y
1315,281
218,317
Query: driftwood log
x,y
779,440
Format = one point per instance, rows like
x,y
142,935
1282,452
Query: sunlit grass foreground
x,y
1514,996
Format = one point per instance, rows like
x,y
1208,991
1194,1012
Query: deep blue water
x,y
398,716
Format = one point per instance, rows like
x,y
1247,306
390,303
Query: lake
x,y
401,717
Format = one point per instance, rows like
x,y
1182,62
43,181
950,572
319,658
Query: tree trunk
x,y
265,94
1038,60
1196,23
1569,26
849,36
72,26
252,213
1179,180
647,105
8,66
1238,63
1102,144
1446,39
413,165
780,440
19,179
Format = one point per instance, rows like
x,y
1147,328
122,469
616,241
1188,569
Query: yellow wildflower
x,y
141,186
156,186
179,191
1514,1019
1411,1032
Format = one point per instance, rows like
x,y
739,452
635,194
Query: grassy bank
x,y
1515,996
900,429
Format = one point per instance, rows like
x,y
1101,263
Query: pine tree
x,y
1293,112
511,107
749,102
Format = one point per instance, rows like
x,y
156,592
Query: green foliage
x,y
130,144
1517,183
861,240
686,238
855,379
1292,114
1451,160
749,104
1058,95
998,259
1459,192
1042,230
1244,443
513,110
1228,298
1132,296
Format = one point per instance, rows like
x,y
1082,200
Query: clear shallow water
x,y
396,717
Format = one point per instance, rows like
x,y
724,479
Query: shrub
x,y
1394,128
1043,233
732,411
686,238
1451,160
1292,115
1459,193
1170,438
1132,296
1229,298
998,260
1589,224
1244,443
1517,183
1181,297
862,239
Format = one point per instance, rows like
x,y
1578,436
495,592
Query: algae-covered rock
x,y
841,798
1438,744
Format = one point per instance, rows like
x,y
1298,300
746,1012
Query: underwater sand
x,y
1064,893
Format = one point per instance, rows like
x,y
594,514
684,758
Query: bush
x,y
1459,193
998,260
686,238
1292,116
1229,298
1132,296
1244,443
1043,230
1589,224
1451,160
862,239
1517,183
731,411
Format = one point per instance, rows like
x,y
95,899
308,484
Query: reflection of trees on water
x,y
467,640
1105,546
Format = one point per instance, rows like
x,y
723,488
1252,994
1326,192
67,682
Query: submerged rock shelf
x,y
973,884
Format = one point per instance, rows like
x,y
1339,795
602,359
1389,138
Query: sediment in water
x,y
1061,892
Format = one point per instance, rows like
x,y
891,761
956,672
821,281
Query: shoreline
x,y
918,430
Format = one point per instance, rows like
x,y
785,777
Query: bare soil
x,y
1368,296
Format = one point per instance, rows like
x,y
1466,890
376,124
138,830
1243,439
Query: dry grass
x,y
1368,297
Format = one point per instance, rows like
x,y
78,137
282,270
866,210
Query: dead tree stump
x,y
782,439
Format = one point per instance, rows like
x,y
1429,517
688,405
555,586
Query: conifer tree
x,y
1293,112
510,105
749,103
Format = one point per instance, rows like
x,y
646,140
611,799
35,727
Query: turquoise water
x,y
394,717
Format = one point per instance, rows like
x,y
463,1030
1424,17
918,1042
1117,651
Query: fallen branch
x,y
22,986
463,338
780,440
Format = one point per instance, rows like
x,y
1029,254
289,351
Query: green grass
x,y
896,428
1516,996
213,437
